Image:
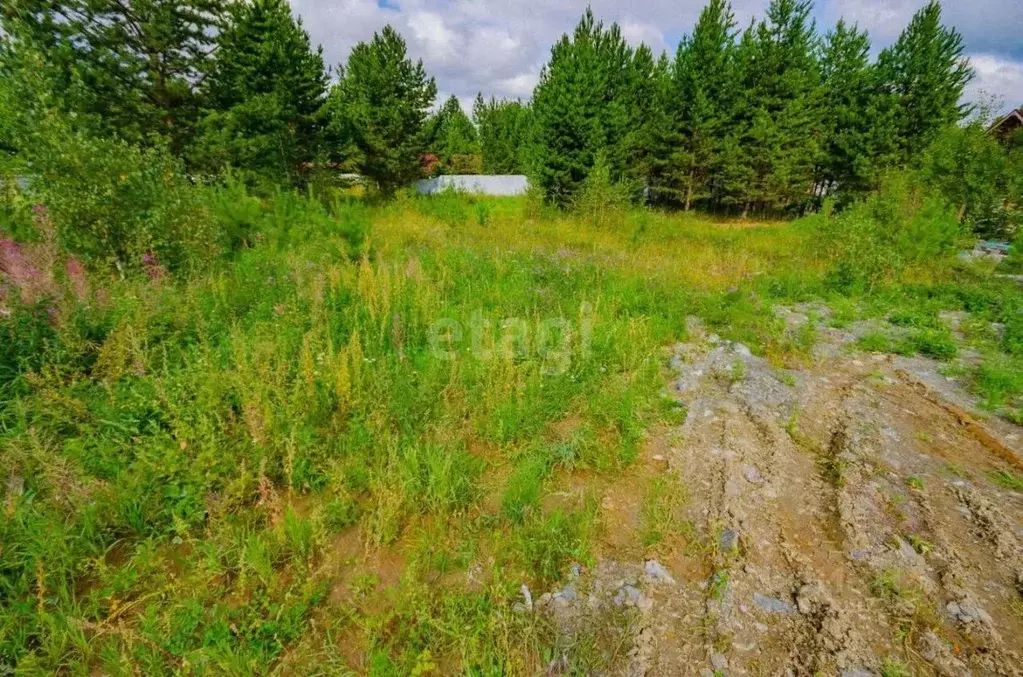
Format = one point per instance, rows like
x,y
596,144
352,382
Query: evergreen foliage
x,y
704,89
451,136
379,107
503,128
132,66
772,119
264,95
859,126
926,72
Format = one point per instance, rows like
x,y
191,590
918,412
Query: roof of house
x,y
1011,121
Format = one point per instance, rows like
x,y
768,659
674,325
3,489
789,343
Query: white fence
x,y
511,184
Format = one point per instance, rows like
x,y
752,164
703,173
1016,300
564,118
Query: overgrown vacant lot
x,y
495,440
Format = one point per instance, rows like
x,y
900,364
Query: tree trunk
x,y
745,210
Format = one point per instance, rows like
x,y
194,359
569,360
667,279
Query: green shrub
x,y
114,203
871,242
599,200
936,343
238,214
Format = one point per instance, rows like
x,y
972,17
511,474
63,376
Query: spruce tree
x,y
926,72
378,108
265,94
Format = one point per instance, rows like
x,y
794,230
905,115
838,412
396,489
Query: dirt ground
x,y
845,520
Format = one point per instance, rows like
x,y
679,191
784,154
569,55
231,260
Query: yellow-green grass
x,y
303,461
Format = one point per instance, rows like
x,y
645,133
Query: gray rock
x,y
772,604
907,551
930,646
967,611
567,594
527,596
719,661
728,541
745,646
857,672
627,595
656,572
752,475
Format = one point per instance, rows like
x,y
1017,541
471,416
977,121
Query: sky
x,y
498,47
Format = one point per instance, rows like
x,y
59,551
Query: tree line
x,y
771,117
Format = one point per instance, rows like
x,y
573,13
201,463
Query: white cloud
x,y
430,32
998,78
883,19
986,25
499,46
520,86
638,32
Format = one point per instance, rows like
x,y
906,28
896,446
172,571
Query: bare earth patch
x,y
841,519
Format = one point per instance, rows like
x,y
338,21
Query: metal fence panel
x,y
511,184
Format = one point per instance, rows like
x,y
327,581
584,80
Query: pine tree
x,y
780,111
451,136
265,94
567,107
848,92
620,86
132,66
503,134
703,81
662,134
647,112
379,106
581,107
926,72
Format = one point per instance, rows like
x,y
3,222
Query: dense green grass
x,y
314,456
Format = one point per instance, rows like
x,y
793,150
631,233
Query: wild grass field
x,y
348,447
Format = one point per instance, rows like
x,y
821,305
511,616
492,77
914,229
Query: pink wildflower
x,y
76,276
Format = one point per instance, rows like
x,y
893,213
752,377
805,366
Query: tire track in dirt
x,y
845,523
779,599
905,522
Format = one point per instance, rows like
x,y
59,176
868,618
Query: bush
x,y
978,177
114,203
599,200
871,242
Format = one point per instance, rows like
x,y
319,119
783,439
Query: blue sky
x,y
498,46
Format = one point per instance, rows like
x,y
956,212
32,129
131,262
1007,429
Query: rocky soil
x,y
846,520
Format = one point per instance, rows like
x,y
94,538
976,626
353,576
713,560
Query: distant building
x,y
1008,125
